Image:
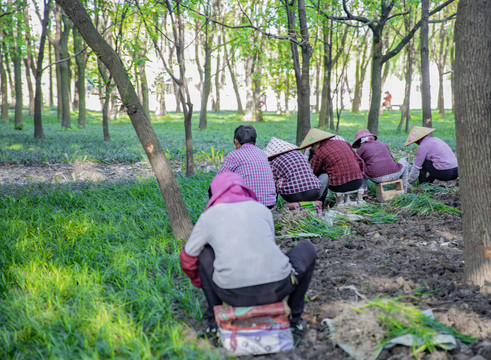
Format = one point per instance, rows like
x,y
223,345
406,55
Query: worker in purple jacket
x,y
380,166
434,158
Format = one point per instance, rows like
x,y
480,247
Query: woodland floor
x,y
420,256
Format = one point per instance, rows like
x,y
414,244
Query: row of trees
x,y
298,48
294,23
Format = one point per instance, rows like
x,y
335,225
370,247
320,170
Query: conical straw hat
x,y
315,135
416,133
277,146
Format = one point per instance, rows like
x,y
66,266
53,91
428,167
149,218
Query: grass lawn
x,y
91,270
60,145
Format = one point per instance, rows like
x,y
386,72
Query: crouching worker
x,y
232,255
295,181
380,166
434,159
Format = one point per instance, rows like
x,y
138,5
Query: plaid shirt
x,y
378,159
339,161
293,174
252,164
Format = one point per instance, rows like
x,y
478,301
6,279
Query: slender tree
x,y
18,45
441,47
81,61
209,33
174,12
377,25
64,77
425,64
38,97
298,31
28,59
178,214
362,61
3,81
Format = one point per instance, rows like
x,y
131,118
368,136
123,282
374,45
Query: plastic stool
x,y
343,198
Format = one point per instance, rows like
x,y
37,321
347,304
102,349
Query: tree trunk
x,y
452,74
65,83
256,80
218,73
50,72
81,61
206,78
386,65
11,81
425,64
362,61
4,89
29,62
441,97
240,110
406,105
302,75
288,90
30,89
375,87
142,75
440,58
326,82
18,124
105,112
178,214
317,85
248,72
38,97
105,77
472,109
56,42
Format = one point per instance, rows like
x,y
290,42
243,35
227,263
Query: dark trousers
x,y
308,195
443,175
302,257
349,186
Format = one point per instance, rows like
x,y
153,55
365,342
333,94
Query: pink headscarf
x,y
228,187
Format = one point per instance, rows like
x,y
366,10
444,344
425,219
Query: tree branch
x,y
408,37
13,11
268,34
63,60
451,17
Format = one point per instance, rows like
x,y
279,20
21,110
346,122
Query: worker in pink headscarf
x,y
232,255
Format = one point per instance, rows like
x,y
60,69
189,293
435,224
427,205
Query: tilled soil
x,y
419,258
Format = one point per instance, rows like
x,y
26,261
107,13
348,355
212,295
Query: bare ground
x,y
419,258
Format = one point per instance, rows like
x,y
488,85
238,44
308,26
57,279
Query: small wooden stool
x,y
384,195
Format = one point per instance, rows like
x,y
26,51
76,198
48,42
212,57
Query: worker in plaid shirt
x,y
336,158
294,178
251,163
